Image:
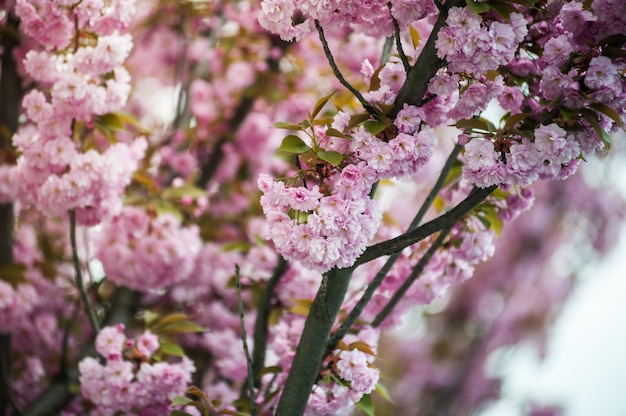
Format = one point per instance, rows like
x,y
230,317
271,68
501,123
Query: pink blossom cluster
x,y
401,156
373,17
550,156
466,246
348,373
471,45
321,231
574,68
145,252
333,221
79,77
354,376
129,381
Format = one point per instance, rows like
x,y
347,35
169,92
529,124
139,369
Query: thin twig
x,y
79,276
400,49
244,341
66,337
382,273
261,324
386,54
417,271
338,74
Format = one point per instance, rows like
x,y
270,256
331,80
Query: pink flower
x,y
110,340
147,344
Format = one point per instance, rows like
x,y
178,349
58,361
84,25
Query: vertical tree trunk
x,y
10,97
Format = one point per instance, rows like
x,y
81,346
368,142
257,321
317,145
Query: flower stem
x,y
93,320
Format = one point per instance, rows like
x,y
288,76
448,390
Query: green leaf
x,y
454,172
375,126
472,124
478,7
332,132
287,126
181,401
609,112
514,119
567,113
332,157
130,120
112,121
357,119
592,118
366,405
171,349
179,192
496,222
181,327
485,221
148,316
382,390
320,104
293,144
273,369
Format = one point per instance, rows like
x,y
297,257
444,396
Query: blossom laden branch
x,y
356,311
446,220
415,274
412,92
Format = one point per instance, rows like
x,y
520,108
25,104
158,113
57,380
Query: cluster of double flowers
x,y
328,224
70,157
564,99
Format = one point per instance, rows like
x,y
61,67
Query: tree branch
x,y
312,346
338,74
319,322
244,341
412,92
261,324
396,30
10,97
93,320
446,220
417,271
382,273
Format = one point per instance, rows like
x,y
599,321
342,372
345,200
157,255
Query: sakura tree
x,y
218,207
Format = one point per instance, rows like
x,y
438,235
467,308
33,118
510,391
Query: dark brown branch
x,y
446,220
337,72
412,92
396,32
417,271
10,98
